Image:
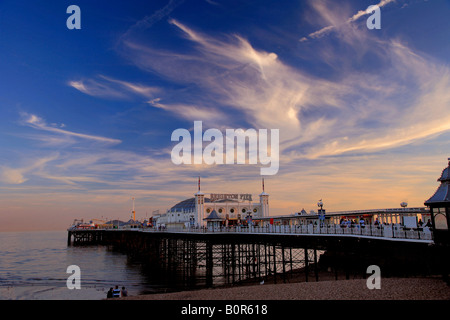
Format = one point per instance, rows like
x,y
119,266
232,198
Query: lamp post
x,y
249,218
321,212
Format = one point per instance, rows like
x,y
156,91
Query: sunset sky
x,y
86,116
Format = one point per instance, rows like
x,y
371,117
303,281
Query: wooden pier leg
x,y
253,261
316,270
284,264
291,266
225,265
209,264
233,262
274,264
346,264
259,260
306,264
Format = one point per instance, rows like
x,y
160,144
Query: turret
x,y
199,206
264,201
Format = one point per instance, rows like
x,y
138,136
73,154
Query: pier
x,y
279,248
202,257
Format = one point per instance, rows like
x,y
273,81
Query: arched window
x,y
440,218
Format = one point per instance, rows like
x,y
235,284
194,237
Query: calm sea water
x,y
33,266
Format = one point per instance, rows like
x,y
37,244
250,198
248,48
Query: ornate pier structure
x,y
215,255
211,259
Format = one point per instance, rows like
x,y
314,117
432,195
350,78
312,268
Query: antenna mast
x,y
133,212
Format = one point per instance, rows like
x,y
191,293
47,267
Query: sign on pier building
x,y
229,209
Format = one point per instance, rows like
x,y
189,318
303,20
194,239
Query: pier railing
x,y
383,231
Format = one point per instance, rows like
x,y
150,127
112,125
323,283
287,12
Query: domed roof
x,y
185,205
445,176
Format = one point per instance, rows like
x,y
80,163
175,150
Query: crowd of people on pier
x,y
361,223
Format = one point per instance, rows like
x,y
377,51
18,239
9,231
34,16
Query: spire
x,y
199,192
133,211
263,193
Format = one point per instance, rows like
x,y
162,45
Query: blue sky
x,y
87,115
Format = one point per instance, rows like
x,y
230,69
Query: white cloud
x,y
17,175
191,112
12,176
316,116
38,123
336,21
110,88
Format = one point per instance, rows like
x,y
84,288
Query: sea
x,y
34,266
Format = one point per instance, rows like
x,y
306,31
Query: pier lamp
x,y
321,211
249,218
439,205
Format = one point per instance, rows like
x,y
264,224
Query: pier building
x,y
227,209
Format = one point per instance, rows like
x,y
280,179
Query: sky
x,y
86,115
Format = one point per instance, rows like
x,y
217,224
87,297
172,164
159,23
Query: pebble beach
x,y
429,288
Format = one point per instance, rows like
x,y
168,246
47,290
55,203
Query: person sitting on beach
x,y
110,293
124,292
116,292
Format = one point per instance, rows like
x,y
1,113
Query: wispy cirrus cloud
x,y
10,175
233,75
336,21
36,122
107,87
358,111
150,20
191,112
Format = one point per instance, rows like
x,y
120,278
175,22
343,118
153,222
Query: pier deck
x,y
226,256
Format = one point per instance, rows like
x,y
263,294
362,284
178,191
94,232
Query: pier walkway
x,y
387,232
